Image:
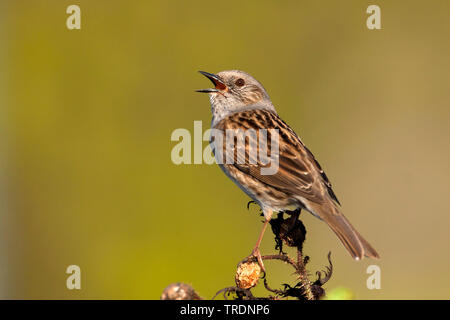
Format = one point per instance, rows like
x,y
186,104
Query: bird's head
x,y
235,89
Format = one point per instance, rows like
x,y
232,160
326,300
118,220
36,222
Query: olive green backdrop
x,y
86,119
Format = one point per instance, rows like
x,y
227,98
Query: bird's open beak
x,y
216,80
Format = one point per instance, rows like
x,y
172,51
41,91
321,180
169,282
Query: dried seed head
x,y
179,291
247,274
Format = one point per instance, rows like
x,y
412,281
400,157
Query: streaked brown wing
x,y
299,173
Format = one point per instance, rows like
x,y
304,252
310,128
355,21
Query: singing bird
x,y
239,102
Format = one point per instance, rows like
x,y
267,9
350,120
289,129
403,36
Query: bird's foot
x,y
257,254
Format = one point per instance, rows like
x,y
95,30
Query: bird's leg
x,y
256,253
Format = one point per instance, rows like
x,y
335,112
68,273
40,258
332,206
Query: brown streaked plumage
x,y
240,103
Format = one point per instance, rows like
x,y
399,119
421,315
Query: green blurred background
x,y
87,115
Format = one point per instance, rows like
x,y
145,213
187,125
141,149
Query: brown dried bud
x,y
247,274
179,291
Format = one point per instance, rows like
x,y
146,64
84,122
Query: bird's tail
x,y
351,239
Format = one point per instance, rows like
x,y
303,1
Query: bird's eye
x,y
239,82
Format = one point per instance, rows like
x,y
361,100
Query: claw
x,y
249,203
